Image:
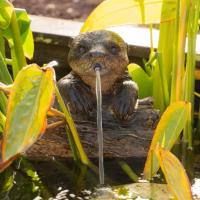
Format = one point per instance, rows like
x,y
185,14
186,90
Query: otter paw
x,y
80,100
124,105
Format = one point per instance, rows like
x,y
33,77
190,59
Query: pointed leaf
x,y
142,79
4,165
167,131
175,175
122,12
6,10
29,101
25,33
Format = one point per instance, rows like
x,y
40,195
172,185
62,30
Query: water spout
x,y
97,68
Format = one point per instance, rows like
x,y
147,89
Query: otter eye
x,y
114,49
81,49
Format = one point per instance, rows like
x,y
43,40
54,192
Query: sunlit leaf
x,y
73,136
26,168
192,29
178,68
2,121
6,10
5,78
6,88
3,102
157,91
4,73
167,131
4,165
175,175
31,97
143,81
18,185
25,33
6,182
121,12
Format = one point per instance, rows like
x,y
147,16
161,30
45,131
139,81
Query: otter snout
x,y
97,66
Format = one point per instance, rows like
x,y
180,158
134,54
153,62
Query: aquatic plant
x,y
15,29
168,67
177,17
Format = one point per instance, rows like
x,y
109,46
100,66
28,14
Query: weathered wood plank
x,y
122,140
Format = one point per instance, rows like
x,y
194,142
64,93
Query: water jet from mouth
x,y
97,68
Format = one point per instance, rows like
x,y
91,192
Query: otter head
x,y
103,49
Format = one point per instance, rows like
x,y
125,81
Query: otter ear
x,y
69,43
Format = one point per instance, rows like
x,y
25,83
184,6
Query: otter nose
x,y
96,54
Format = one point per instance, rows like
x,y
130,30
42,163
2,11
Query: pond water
x,y
59,179
65,179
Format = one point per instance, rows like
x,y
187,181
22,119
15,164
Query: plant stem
x,y
2,44
82,154
190,67
165,47
127,169
142,10
191,55
164,83
151,39
17,51
8,61
179,51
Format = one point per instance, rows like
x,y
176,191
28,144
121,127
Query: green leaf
x,y
6,10
26,35
73,135
162,84
178,66
2,121
167,131
175,175
3,102
28,171
4,73
122,12
29,101
6,182
143,81
5,78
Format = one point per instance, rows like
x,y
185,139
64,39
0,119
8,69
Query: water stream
x,y
99,125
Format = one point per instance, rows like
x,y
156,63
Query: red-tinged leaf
x,y
30,99
4,165
167,131
175,175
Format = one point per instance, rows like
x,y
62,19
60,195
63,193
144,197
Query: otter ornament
x,y
108,51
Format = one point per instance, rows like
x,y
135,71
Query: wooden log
x,y
122,140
